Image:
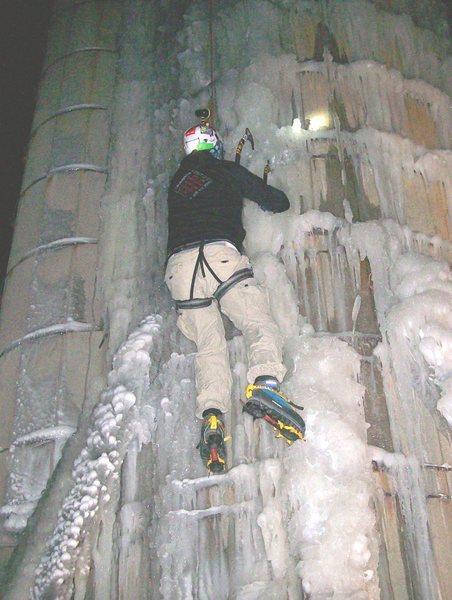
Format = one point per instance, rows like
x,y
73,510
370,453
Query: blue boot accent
x,y
270,405
267,381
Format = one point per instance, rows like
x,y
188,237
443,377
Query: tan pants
x,y
245,304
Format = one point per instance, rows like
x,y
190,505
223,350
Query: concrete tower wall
x,y
51,281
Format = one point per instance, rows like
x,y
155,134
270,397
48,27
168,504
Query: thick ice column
x,y
51,315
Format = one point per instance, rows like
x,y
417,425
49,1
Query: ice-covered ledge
x,y
55,245
69,326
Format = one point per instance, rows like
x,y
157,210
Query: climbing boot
x,y
211,446
265,401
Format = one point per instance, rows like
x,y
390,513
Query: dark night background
x,y
23,34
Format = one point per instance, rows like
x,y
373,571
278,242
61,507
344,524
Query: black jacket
x,y
205,200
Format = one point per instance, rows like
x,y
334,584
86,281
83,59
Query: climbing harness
x,y
223,286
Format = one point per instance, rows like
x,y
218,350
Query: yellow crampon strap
x,y
220,460
288,428
213,424
249,393
280,435
251,387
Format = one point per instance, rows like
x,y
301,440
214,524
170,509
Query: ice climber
x,y
207,272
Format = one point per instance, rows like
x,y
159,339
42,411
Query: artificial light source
x,y
318,121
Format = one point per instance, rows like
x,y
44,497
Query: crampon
x,y
211,445
270,405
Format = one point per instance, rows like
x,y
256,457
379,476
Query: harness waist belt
x,y
192,245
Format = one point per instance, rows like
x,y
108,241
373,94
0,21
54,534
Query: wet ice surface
x,y
289,506
269,502
424,317
273,524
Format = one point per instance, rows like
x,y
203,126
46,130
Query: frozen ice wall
x,y
348,102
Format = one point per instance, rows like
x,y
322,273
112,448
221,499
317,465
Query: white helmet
x,y
202,138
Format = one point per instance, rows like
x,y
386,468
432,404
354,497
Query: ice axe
x,y
247,136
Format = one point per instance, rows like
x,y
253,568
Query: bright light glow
x,y
296,125
318,121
